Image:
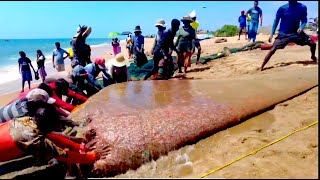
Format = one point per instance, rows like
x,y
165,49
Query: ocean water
x,y
9,52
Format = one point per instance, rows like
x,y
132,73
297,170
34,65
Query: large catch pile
x,y
143,120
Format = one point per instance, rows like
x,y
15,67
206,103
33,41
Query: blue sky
x,y
31,19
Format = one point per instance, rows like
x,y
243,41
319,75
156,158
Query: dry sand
x,y
294,157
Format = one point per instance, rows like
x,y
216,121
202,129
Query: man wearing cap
x,y
242,22
95,68
195,25
185,44
156,50
25,106
164,47
138,48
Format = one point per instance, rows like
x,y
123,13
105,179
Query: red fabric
x,y
314,38
8,148
59,102
74,157
77,96
63,142
266,46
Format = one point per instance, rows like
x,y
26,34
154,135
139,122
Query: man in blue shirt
x,y
255,13
243,23
57,57
138,48
290,30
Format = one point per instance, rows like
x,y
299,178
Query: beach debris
x,y
221,40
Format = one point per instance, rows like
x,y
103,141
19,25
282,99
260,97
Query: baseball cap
x,y
39,95
101,63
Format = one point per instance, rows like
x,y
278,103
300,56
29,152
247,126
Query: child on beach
x,y
24,69
242,22
40,62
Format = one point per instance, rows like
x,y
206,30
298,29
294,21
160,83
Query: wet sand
x,y
294,157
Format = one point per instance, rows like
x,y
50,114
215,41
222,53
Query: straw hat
x,y
137,28
193,14
186,19
119,61
161,23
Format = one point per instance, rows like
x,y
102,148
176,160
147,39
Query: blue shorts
x,y
26,75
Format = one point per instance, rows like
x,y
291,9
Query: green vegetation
x,y
227,31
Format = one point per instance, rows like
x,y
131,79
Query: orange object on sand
x,y
78,107
8,148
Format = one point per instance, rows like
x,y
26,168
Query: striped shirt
x,y
16,109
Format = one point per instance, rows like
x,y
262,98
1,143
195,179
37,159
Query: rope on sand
x,y
257,150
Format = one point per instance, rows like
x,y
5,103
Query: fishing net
x,y
138,73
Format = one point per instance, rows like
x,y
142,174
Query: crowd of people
x,y
34,122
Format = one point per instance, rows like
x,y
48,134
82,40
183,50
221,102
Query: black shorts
x,y
197,43
301,39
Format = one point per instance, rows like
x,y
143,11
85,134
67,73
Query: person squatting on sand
x,y
41,67
94,70
58,58
185,44
118,69
24,69
290,14
195,26
138,48
254,13
162,50
80,77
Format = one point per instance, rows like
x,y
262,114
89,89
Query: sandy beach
x,y
294,157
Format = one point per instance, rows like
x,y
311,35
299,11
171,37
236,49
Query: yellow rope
x,y
255,151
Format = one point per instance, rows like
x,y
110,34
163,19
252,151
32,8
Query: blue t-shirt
x,y
137,42
58,53
290,16
255,12
24,62
243,21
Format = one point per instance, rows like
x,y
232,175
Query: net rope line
x,y
259,149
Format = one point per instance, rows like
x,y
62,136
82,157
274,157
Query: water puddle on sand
x,y
192,161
